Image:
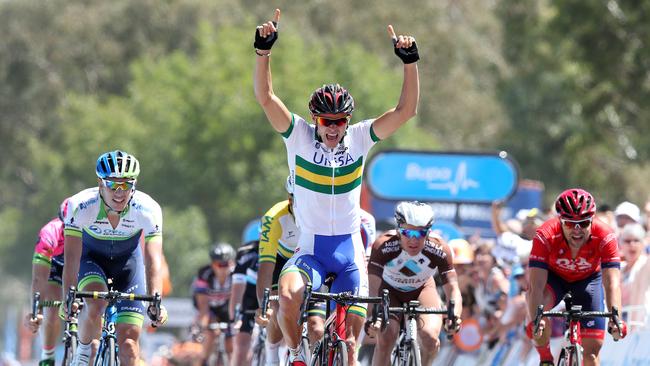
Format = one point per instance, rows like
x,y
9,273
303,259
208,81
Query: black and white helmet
x,y
222,252
414,213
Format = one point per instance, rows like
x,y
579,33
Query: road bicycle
x,y
70,333
258,351
572,353
107,353
407,348
332,349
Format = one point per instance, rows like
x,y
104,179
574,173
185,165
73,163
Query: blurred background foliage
x,y
562,85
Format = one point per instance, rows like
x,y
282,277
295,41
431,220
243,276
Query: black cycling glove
x,y
407,55
265,43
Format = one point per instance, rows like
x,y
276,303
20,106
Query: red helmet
x,y
331,99
575,204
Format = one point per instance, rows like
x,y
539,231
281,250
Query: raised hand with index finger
x,y
405,47
267,33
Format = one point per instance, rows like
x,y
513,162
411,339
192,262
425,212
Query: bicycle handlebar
x,y
36,298
574,314
153,311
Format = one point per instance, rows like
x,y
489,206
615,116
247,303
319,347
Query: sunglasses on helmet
x,y
571,224
326,122
114,186
413,233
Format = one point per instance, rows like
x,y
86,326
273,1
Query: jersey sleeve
x,y
200,284
298,129
366,134
241,264
378,257
539,253
271,233
152,227
446,264
610,257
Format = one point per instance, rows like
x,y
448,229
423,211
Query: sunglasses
x,y
223,264
339,122
114,186
573,224
414,233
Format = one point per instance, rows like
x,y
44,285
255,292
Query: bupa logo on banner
x,y
434,176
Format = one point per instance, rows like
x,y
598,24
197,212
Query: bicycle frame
x,y
333,342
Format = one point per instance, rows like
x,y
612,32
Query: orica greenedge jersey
x,y
327,182
86,218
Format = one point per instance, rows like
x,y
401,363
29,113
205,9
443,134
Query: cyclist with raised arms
x,y
326,164
573,252
103,228
211,291
47,270
404,261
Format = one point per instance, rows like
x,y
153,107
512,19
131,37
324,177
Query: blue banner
x,y
442,177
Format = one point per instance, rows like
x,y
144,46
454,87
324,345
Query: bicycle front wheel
x,y
259,355
413,356
70,349
340,357
575,357
563,359
316,358
110,358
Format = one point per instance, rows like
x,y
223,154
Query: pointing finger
x,y
391,33
276,17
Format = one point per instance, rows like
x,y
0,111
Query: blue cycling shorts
x,y
588,293
317,256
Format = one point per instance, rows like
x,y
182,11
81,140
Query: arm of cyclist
x,y
537,278
40,274
277,113
406,49
611,284
203,306
264,279
373,328
236,297
72,256
452,292
153,262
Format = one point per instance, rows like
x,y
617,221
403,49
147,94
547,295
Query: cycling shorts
x,y
316,256
56,270
128,274
588,293
220,314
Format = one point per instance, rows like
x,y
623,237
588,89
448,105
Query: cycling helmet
x,y
222,252
331,99
414,213
575,204
252,231
63,209
117,164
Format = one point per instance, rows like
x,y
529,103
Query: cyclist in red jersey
x,y
573,252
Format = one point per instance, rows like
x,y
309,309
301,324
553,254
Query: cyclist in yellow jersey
x,y
326,164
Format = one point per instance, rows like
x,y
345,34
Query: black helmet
x,y
222,252
331,99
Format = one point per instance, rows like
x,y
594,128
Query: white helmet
x,y
414,213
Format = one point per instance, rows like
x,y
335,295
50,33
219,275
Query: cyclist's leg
x,y
589,294
91,278
128,275
52,322
302,268
430,324
242,348
316,322
553,293
386,339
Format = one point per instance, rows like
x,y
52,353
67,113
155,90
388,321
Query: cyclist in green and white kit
x,y
326,162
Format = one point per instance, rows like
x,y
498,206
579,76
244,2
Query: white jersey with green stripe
x,y
327,182
86,218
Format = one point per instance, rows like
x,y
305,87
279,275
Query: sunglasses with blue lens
x,y
413,233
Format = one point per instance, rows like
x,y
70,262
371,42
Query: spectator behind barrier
x,y
627,213
635,273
